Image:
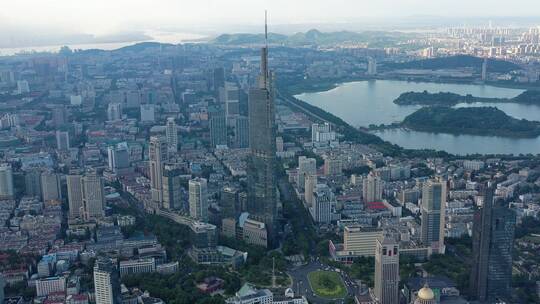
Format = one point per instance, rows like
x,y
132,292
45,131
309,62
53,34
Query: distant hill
x,y
142,46
459,61
474,120
315,37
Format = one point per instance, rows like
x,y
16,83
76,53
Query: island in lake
x,y
488,121
451,99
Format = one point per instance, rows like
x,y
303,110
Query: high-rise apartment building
x,y
32,183
51,186
75,195
372,188
229,203
306,166
433,207
262,198
93,196
106,282
493,242
309,189
171,132
324,200
158,154
198,199
6,181
386,289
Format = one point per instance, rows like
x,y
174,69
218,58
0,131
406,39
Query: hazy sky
x,y
111,16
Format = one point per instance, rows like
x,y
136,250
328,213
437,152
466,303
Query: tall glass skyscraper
x,y
262,198
493,239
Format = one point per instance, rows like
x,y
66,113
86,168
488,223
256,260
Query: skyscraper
x,y
262,198
229,202
386,289
6,181
75,195
241,132
493,240
171,132
309,189
218,127
157,155
118,156
372,188
198,200
106,282
172,184
433,207
93,196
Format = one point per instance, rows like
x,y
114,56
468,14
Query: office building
x,y
93,196
148,113
361,241
75,195
118,157
306,166
6,181
106,282
172,185
309,189
324,202
372,188
32,183
386,289
51,186
203,235
198,200
171,132
114,111
62,140
241,132
158,154
229,96
433,206
46,286
218,78
229,203
493,243
218,128
255,233
131,267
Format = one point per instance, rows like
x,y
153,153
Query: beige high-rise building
x,y
386,289
75,195
361,241
332,166
372,188
6,182
198,200
93,196
433,213
158,155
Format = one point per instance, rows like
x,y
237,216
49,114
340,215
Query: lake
x,y
363,103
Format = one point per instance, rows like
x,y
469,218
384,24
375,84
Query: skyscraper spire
x,y
266,27
263,80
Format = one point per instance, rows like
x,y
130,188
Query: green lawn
x,y
327,284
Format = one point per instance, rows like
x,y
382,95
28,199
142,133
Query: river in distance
x,y
363,103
